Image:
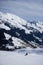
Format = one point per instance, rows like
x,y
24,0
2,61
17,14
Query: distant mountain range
x,y
17,33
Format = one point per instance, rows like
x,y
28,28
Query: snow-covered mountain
x,y
18,33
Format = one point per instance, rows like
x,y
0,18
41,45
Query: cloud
x,y
27,9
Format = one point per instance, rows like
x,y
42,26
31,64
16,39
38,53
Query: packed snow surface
x,y
15,58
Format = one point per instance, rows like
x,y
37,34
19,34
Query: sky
x,y
26,9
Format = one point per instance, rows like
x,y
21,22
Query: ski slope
x,y
14,58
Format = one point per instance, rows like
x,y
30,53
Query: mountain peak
x,y
17,32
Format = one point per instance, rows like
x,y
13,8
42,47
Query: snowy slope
x,y
20,23
11,58
17,33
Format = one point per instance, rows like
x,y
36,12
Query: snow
x,y
20,23
7,36
10,47
14,21
37,38
38,51
38,26
4,26
19,57
17,42
14,58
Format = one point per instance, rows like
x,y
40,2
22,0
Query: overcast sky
x,y
26,9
